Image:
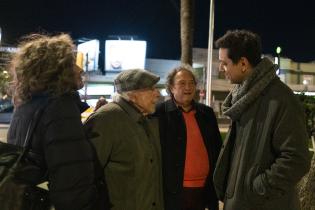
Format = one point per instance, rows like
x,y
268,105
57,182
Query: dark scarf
x,y
246,93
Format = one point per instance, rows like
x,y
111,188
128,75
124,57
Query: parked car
x,y
6,111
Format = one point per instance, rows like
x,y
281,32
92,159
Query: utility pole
x,y
278,51
210,50
0,35
86,75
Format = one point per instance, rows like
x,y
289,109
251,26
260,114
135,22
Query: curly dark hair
x,y
43,64
241,43
170,77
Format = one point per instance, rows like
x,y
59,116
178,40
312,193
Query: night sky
x,y
289,24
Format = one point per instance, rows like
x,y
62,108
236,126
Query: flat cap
x,y
135,79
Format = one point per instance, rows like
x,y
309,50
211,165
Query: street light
x,y
305,83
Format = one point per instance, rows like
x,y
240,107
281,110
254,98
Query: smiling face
x,y
236,73
183,88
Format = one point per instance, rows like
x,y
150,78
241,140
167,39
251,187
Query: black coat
x,y
61,147
173,145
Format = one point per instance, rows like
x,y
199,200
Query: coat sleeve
x,y
215,147
217,135
69,159
98,133
290,147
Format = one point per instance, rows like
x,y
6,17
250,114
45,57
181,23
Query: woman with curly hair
x,y
44,72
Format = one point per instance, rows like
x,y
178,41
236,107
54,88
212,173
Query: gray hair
x,y
125,95
170,77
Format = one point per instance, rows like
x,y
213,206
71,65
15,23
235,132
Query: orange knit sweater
x,y
197,162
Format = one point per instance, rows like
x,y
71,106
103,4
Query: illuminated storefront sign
x,y
124,54
87,55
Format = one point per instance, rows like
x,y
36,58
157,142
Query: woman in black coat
x,y
45,77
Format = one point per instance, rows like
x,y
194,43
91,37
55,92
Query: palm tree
x,y
187,30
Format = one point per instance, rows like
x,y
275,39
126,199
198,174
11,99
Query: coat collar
x,y
243,95
83,106
170,106
132,111
74,95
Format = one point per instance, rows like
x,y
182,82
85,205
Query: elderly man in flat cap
x,y
127,143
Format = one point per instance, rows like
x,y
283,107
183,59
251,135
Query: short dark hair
x,y
170,77
241,43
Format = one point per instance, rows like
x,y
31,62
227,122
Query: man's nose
x,y
221,68
188,86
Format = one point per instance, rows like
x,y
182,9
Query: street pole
x,y
210,50
0,35
86,75
278,51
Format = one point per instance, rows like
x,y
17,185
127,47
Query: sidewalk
x,y
3,132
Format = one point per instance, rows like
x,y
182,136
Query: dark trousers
x,y
193,198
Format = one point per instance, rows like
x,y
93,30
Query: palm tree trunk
x,y
187,30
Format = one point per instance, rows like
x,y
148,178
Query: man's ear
x,y
132,96
245,65
171,89
244,61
